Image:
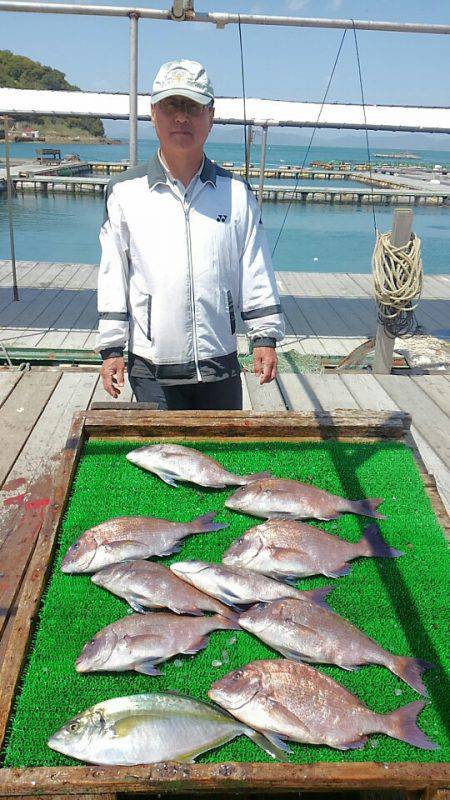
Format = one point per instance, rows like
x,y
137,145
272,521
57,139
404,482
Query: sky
x,y
280,62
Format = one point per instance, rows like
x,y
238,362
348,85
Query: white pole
x,y
262,165
133,87
10,216
384,344
248,149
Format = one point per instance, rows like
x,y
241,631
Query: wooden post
x,y
384,345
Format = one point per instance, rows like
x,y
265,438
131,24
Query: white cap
x,y
185,78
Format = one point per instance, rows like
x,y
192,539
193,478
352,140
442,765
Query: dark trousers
x,y
205,396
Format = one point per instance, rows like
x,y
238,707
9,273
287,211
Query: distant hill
x,y
19,72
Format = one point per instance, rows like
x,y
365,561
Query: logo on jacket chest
x,y
221,217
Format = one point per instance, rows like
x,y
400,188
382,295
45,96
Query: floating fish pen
x,y
400,602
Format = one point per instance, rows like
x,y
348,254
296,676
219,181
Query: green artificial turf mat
x,y
401,602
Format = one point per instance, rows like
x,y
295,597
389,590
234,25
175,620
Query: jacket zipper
x,y
186,207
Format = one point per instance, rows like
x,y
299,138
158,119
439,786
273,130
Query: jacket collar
x,y
156,173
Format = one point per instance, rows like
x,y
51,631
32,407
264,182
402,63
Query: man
x,y
182,249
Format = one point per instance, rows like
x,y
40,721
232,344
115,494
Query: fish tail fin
x,y
402,724
367,507
410,670
227,621
270,742
373,544
319,596
204,523
255,476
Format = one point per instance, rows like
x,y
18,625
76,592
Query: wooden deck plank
x,y
27,316
296,321
330,391
49,318
341,312
84,278
436,286
246,400
371,395
266,397
363,311
20,413
436,387
32,474
6,297
50,277
363,282
22,270
296,392
368,393
38,272
9,316
430,421
309,317
8,380
55,337
319,316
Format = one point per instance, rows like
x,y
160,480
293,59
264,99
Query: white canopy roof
x,y
230,110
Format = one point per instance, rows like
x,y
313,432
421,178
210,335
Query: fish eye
x,y
238,674
74,726
75,546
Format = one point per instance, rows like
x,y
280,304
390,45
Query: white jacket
x,y
173,274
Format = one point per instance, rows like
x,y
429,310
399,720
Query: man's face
x,y
182,125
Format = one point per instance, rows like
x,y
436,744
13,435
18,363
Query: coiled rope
x,y
397,278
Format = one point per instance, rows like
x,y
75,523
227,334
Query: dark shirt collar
x,y
157,174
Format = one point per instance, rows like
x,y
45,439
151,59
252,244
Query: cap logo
x,y
178,77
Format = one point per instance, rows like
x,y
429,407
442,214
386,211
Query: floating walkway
x,y
411,187
386,194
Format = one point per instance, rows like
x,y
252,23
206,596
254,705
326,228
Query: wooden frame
x,y
427,778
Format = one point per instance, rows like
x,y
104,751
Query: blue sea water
x,y
316,237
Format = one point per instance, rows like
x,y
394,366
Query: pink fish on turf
x,y
286,549
275,498
124,538
284,699
307,632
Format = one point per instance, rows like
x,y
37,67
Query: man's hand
x,y
112,371
265,363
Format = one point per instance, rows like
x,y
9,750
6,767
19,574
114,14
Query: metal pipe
x,y
248,148
69,8
317,22
262,165
134,18
222,19
9,203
